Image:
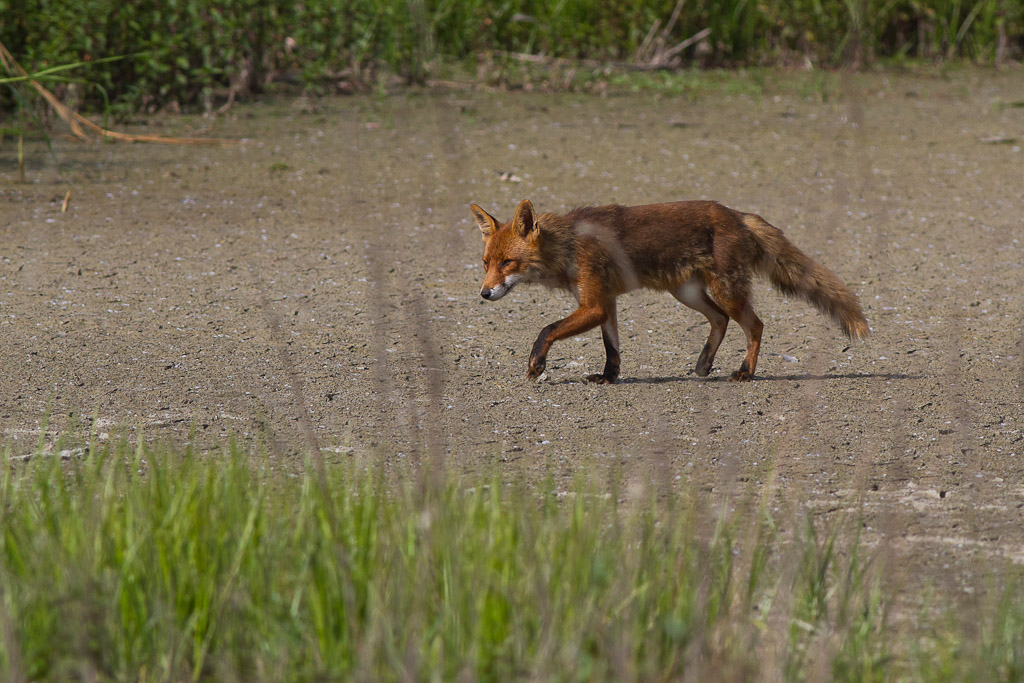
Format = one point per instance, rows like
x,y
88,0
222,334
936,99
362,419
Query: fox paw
x,y
536,368
703,368
601,379
744,374
741,375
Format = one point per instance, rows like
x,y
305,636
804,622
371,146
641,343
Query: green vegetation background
x,y
189,52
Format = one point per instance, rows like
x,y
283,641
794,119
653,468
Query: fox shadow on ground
x,y
724,377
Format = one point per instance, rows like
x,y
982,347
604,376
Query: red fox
x,y
685,248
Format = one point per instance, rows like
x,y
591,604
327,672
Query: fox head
x,y
511,251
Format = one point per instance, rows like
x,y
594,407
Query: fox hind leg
x,y
692,294
752,326
734,298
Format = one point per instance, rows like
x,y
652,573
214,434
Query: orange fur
x,y
685,248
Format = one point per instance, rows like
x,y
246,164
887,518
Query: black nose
x,y
485,293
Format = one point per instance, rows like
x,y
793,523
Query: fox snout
x,y
495,293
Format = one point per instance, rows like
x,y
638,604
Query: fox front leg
x,y
577,322
610,337
539,354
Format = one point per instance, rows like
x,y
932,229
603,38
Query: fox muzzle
x,y
495,293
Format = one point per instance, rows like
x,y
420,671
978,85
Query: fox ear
x,y
488,226
524,221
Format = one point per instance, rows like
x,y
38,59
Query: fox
x,y
701,252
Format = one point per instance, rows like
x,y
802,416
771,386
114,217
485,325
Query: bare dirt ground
x,y
318,287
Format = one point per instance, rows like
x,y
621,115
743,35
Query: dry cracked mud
x,y
318,287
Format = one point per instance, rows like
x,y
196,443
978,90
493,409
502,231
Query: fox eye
x,y
486,265
506,263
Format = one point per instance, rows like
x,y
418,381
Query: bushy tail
x,y
794,273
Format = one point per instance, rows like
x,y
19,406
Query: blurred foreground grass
x,y
161,564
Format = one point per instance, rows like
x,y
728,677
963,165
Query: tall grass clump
x,y
159,564
195,53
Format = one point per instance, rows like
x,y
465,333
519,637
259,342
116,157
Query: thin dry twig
x,y
654,52
459,85
657,58
79,123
